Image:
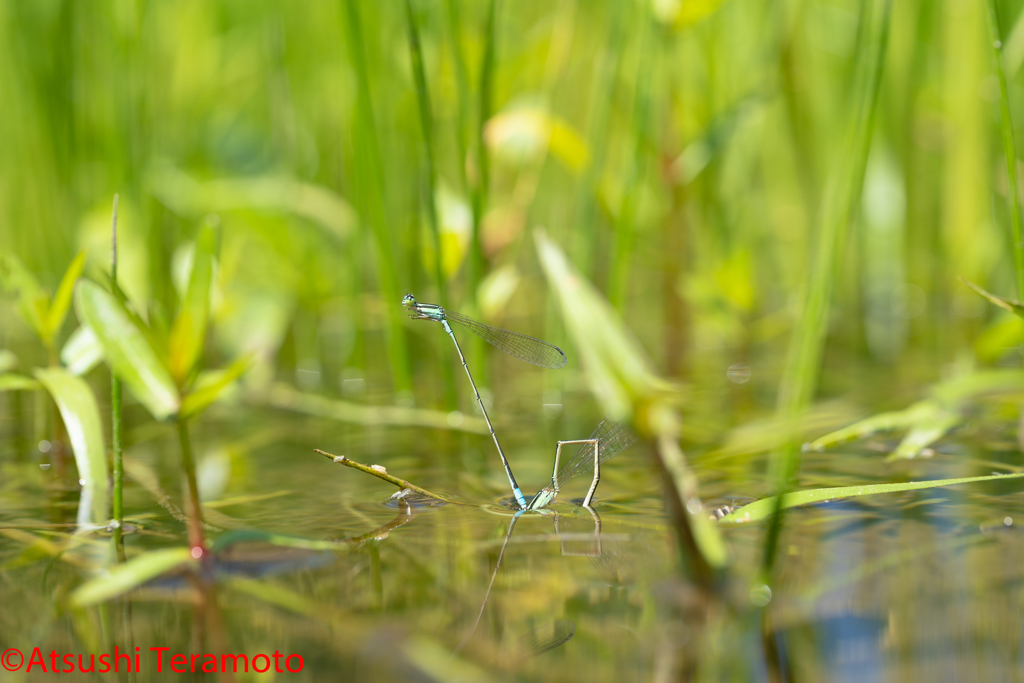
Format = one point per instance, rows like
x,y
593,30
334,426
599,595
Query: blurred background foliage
x,y
676,151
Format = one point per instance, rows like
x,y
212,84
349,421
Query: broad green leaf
x,y
82,351
12,382
127,350
1012,305
764,508
189,331
618,371
81,417
281,194
33,303
132,574
62,299
210,385
623,382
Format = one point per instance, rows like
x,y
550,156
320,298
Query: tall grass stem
x,y
1009,149
115,396
369,162
803,366
196,537
430,187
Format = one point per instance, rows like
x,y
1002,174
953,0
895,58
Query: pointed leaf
x,y
899,419
929,429
81,417
130,575
189,331
33,302
618,371
210,385
1012,305
127,350
764,508
13,382
82,351
62,299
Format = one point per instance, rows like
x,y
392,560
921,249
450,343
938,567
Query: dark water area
x,y
314,559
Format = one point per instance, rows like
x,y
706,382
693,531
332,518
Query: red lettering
x,y
159,657
234,663
176,661
70,661
264,669
138,664
53,661
192,662
289,667
117,661
92,664
105,661
37,658
277,664
212,661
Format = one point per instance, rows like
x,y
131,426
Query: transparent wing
x,y
529,349
612,439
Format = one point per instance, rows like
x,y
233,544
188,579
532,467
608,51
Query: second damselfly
x,y
608,439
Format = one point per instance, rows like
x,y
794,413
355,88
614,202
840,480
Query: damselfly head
x,y
410,305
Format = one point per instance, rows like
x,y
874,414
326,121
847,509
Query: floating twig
x,y
381,473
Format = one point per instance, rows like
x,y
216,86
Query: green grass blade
x,y
33,304
81,417
628,390
14,382
427,128
127,350
763,509
128,576
485,106
1009,148
617,367
803,364
209,387
1011,305
62,299
371,177
188,333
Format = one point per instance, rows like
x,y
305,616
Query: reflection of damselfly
x,y
608,439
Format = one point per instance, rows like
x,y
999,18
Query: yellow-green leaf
x,y
618,371
764,508
82,351
125,577
14,382
189,331
1012,305
127,350
33,303
62,299
81,417
210,385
